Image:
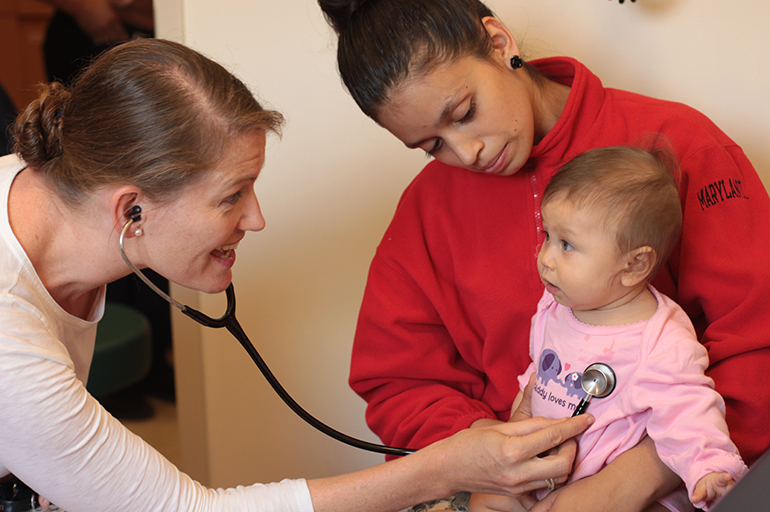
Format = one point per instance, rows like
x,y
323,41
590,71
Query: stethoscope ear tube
x,y
229,321
235,329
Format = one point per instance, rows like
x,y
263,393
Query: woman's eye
x,y
469,114
436,146
235,197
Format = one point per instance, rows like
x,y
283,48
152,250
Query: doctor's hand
x,y
503,458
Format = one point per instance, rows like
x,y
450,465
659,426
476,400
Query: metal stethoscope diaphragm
x,y
598,381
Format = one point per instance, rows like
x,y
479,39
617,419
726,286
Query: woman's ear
x,y
639,265
121,201
502,39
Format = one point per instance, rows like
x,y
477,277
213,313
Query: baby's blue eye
x,y
547,236
566,245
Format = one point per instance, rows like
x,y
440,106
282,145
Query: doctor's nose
x,y
252,218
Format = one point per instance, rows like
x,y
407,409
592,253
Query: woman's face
x,y
192,239
468,113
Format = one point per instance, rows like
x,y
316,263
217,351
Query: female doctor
x,y
154,124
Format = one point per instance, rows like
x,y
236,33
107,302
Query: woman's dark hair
x,y
148,112
383,42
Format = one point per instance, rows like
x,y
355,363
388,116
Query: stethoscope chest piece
x,y
598,381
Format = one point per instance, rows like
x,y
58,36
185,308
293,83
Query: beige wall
x,y
330,186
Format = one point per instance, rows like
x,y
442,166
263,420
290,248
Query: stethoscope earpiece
x,y
135,213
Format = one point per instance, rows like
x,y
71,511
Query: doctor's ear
x,y
125,207
639,265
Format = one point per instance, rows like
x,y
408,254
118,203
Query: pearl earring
x,y
138,232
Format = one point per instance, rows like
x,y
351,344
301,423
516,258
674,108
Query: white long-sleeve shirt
x,y
56,437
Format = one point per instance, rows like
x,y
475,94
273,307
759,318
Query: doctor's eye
x,y
234,198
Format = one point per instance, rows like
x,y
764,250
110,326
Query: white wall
x,y
330,186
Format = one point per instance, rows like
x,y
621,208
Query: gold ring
x,y
550,483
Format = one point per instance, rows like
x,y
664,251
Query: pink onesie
x,y
661,390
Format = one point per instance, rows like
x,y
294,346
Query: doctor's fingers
x,y
538,435
545,472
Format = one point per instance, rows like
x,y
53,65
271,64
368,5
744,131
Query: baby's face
x,y
579,263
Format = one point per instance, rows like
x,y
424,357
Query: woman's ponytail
x,y
37,131
339,12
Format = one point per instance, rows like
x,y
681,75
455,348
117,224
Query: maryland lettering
x,y
719,191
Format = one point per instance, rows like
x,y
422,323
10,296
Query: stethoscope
x,y
229,322
598,381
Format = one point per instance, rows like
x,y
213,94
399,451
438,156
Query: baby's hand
x,y
712,486
493,503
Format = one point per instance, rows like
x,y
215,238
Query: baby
x,y
611,217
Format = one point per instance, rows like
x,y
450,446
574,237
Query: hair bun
x,y
339,12
37,131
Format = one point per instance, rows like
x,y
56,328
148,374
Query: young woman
x,y
156,125
453,284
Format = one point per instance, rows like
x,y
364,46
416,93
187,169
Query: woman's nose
x,y
467,150
252,218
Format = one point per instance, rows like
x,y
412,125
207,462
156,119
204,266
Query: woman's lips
x,y
225,254
499,163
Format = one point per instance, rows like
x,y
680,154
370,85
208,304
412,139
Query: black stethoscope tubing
x,y
229,322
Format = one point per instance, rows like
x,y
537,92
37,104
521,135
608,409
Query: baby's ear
x,y
639,264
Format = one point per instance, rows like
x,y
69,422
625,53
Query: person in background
x,y
7,115
444,323
157,125
611,217
82,29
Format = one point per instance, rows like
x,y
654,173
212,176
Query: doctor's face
x,y
192,239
